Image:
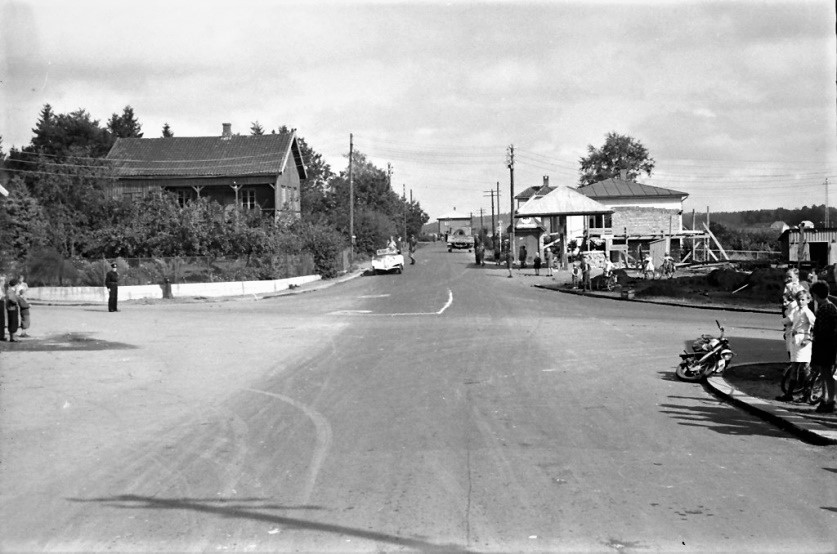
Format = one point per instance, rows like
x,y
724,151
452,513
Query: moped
x,y
709,355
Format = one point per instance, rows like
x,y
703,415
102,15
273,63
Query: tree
x,y
125,125
416,218
22,223
73,133
314,187
256,128
618,152
167,132
72,194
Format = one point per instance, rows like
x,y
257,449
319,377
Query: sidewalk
x,y
799,419
617,295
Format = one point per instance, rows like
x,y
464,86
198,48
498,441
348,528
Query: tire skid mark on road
x,y
614,327
324,438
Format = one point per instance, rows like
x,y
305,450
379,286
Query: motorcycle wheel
x,y
690,370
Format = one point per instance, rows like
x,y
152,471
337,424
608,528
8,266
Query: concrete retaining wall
x,y
134,292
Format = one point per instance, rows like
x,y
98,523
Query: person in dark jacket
x,y
2,307
824,350
112,284
12,309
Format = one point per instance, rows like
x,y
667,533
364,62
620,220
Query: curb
x,y
801,426
319,286
289,292
661,302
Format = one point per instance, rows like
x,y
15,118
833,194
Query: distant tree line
x,y
59,206
764,218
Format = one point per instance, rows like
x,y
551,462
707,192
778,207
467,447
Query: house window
x,y
248,199
599,221
283,197
183,197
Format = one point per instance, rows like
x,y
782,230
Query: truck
x,y
461,239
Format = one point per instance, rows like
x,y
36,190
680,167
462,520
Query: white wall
x,y
186,290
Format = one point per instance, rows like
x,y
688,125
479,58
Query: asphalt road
x,y
445,409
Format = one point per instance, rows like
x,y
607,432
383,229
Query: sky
x,y
735,101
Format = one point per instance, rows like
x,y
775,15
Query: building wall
x,y
645,220
287,184
217,189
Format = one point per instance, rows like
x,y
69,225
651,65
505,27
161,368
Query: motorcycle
x,y
709,355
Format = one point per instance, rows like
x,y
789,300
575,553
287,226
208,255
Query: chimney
x,y
623,174
546,180
227,130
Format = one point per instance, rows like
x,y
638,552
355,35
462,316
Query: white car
x,y
387,260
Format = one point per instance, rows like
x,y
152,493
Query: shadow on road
x,y
66,341
721,419
669,376
247,508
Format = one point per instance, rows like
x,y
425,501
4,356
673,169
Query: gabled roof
x,y
562,201
454,215
534,191
617,188
205,156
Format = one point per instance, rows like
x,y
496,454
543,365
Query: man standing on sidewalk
x,y
112,284
547,258
413,244
824,349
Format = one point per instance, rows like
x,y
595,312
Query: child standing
x,y
576,272
537,263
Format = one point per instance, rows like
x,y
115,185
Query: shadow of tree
x,y
66,341
721,419
247,508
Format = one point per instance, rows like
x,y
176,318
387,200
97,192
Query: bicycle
x,y
608,282
811,388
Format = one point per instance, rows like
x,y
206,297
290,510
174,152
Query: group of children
x,y
810,321
15,308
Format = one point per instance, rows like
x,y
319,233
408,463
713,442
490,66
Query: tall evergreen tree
x,y
167,132
256,128
125,125
74,133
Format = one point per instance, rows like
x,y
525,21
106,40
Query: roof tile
x,y
201,156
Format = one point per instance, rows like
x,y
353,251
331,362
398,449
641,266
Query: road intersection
x,y
514,419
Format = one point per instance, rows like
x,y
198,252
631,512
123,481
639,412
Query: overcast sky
x,y
734,100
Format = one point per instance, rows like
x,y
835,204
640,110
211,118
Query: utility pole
x,y
493,228
351,196
826,202
511,198
481,223
499,223
404,200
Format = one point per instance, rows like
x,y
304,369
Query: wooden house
x,y
253,172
